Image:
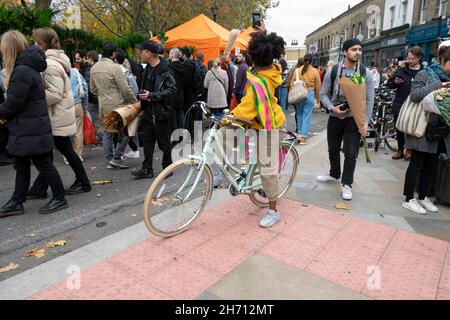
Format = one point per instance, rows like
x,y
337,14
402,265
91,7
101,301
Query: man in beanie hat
x,y
342,125
158,89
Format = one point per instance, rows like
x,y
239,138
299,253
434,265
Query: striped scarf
x,y
263,99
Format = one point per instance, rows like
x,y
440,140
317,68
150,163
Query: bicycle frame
x,y
241,184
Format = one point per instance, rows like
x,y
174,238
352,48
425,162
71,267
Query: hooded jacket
x,y
58,91
247,109
25,108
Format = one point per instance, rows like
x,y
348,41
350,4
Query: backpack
x,y
199,77
437,128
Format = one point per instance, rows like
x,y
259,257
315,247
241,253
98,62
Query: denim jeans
x,y
282,95
346,130
303,114
108,145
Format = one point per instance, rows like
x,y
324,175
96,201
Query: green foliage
x,y
28,19
24,19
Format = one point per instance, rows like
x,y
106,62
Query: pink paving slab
x,y
50,293
310,232
421,245
443,295
391,290
445,277
291,251
220,255
143,258
403,267
103,281
346,263
248,234
142,291
185,242
326,218
367,230
184,279
295,209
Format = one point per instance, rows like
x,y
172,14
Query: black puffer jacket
x,y
25,108
165,88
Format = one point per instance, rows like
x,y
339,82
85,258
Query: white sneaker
x,y
347,193
326,178
270,219
428,205
132,155
414,206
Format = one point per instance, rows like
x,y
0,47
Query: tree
x,y
122,16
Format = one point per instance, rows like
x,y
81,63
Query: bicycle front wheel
x,y
177,197
288,167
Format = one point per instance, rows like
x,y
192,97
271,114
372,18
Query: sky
x,y
295,19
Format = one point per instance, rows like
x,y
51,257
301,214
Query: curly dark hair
x,y
264,48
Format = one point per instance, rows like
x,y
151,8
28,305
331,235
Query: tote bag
x,y
413,119
298,92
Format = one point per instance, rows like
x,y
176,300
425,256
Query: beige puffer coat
x,y
58,92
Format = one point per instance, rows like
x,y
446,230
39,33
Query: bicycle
x,y
382,124
170,208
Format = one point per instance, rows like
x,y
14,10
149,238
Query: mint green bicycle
x,y
171,206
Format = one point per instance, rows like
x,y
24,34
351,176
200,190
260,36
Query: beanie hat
x,y
351,42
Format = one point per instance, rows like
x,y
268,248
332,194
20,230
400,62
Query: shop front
x,y
428,36
394,44
371,52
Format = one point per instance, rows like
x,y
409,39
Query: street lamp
x,y
341,39
214,10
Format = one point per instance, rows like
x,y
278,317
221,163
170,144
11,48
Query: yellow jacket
x,y
247,109
311,79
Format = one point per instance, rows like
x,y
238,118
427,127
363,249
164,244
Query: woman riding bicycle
x,y
260,106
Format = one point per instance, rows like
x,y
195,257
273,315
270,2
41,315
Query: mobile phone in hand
x,y
256,20
142,92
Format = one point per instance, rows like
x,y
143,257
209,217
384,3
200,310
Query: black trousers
x,y
46,169
158,131
400,135
346,130
3,139
177,120
63,145
422,165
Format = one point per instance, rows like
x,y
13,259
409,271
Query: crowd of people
x,y
45,97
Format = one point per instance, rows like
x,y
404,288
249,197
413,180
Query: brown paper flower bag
x,y
356,98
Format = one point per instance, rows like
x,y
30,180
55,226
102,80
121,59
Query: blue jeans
x,y
282,95
303,114
108,145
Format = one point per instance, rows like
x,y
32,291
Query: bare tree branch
x,y
100,20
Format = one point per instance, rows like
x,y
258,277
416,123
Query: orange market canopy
x,y
204,34
245,35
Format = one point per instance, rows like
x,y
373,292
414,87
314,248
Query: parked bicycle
x,y
171,206
382,123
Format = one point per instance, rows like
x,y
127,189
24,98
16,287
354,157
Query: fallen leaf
x,y
31,235
101,182
60,243
11,266
93,168
134,215
157,203
342,206
37,253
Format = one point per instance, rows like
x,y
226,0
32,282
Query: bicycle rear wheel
x,y
391,133
289,161
173,204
